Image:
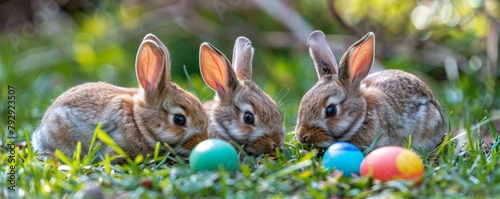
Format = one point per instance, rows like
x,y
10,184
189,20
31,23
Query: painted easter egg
x,y
211,154
393,163
344,157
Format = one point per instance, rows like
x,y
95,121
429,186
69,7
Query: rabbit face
x,y
179,120
241,111
327,115
251,119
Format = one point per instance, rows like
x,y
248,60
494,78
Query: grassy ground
x,y
450,172
470,173
40,59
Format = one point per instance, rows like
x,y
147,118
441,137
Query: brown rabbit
x,y
349,105
136,119
241,111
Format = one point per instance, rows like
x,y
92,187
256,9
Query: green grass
x,y
452,171
449,172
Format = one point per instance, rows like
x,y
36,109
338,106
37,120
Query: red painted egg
x,y
393,163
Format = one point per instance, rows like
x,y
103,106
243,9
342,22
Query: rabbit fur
x,y
347,104
135,118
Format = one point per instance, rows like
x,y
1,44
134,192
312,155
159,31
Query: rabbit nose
x,y
302,135
305,138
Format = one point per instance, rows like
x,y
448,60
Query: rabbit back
x,y
403,105
74,115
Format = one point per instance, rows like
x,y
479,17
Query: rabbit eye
x,y
249,118
180,119
331,111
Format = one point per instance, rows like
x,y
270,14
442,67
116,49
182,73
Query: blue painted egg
x,y
344,157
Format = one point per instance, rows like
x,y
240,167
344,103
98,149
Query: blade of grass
x,y
162,162
372,146
157,151
94,137
409,142
104,137
28,144
65,159
77,153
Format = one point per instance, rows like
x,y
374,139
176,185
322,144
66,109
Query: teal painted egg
x,y
210,154
344,157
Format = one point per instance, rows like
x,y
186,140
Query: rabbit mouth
x,y
259,146
251,151
251,143
184,148
176,149
315,136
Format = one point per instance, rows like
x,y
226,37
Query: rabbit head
x,y
333,109
241,111
164,112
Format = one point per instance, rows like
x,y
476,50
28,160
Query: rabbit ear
x,y
152,63
242,58
358,60
322,55
217,72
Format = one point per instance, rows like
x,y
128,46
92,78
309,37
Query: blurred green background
x,y
48,46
